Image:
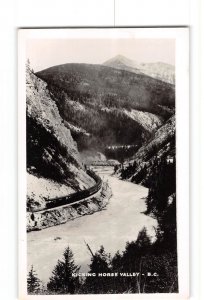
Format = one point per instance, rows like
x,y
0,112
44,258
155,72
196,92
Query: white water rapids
x,y
119,222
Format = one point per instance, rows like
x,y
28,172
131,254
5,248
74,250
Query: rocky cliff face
x,y
161,148
161,137
51,152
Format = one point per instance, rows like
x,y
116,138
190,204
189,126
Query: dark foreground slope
x,y
103,106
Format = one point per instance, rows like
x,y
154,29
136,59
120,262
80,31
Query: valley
x,y
80,115
112,227
101,174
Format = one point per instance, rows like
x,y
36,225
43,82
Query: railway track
x,y
74,197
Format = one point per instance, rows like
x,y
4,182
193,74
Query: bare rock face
x,y
148,121
161,137
161,147
43,109
51,150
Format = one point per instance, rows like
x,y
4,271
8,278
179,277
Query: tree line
x,y
142,256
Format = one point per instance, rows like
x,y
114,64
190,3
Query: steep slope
x,y
51,152
158,70
160,148
149,121
154,166
103,106
97,84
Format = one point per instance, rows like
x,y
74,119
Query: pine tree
x,y
33,282
62,281
100,263
143,240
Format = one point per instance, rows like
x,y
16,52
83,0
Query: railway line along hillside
x,y
54,166
62,214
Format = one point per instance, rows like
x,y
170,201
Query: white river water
x,y
119,222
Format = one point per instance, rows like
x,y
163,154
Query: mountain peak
x,y
119,56
119,60
158,70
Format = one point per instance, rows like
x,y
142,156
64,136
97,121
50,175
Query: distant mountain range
x,y
158,70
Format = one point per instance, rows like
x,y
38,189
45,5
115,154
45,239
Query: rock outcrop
x,y
51,151
140,168
54,165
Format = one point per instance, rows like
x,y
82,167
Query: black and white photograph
x,y
100,210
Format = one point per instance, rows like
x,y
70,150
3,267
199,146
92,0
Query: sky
x,y
45,53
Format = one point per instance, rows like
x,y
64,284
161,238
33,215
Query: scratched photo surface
x,y
101,166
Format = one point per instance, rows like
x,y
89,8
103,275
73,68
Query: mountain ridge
x,y
100,103
159,70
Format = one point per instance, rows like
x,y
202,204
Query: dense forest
x,y
96,84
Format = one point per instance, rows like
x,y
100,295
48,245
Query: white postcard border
x,y
181,36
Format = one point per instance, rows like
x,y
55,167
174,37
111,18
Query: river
x,y
119,222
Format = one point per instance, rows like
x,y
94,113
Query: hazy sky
x,y
44,53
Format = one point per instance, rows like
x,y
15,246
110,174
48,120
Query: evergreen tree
x,y
143,240
62,281
33,282
100,263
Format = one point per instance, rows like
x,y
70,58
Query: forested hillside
x,y
103,106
